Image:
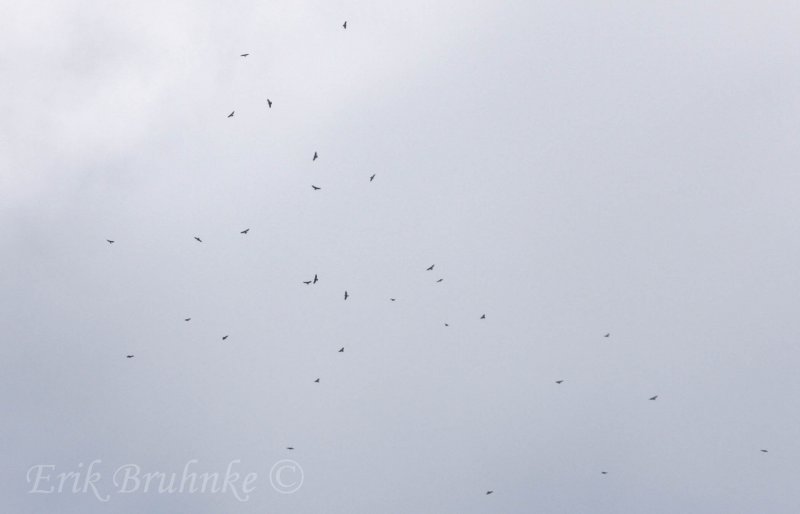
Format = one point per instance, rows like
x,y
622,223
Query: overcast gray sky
x,y
571,169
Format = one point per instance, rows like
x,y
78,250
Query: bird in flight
x,y
198,239
315,157
607,335
315,278
129,356
604,472
483,317
110,241
188,319
346,295
559,381
654,398
431,268
315,188
392,299
489,492
344,25
231,114
245,231
764,451
244,55
290,447
341,350
269,103
372,177
316,381
306,282
224,337
446,325
439,280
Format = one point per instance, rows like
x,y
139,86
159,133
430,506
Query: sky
x,y
571,169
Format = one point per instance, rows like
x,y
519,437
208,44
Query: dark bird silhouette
x,y
315,188
344,25
607,335
269,103
489,492
198,239
764,451
316,381
290,447
306,282
110,241
483,316
245,231
604,472
224,337
446,325
392,299
129,356
341,350
188,319
654,398
559,381
315,157
346,295
439,280
431,268
315,278
231,114
244,55
372,177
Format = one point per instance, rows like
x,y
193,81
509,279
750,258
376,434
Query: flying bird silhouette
x,y
231,114
244,55
198,239
290,447
344,25
607,335
269,103
315,188
306,282
224,337
439,280
346,295
763,451
489,492
245,231
392,299
341,350
315,157
654,398
110,241
372,177
483,316
315,278
431,268
446,325
129,356
604,472
559,381
188,319
316,381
